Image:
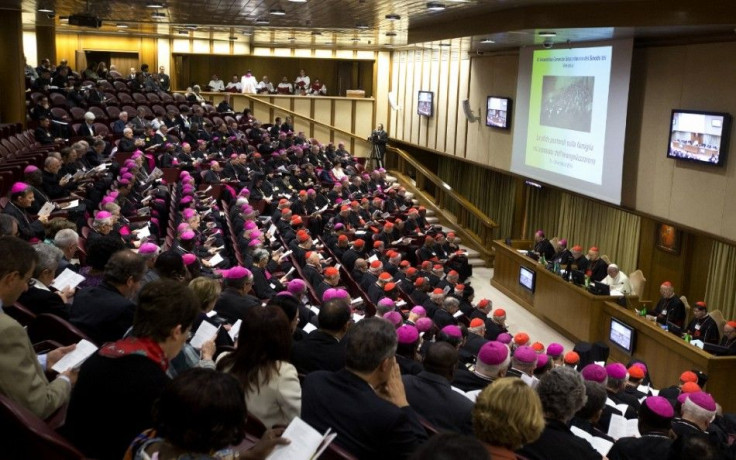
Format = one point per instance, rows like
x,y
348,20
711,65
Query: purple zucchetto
x,y
594,373
407,334
555,350
296,286
424,324
235,273
616,371
452,331
504,338
525,354
493,353
393,317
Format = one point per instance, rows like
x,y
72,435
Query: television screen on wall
x,y
498,112
700,137
425,103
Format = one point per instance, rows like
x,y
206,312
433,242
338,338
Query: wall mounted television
x,y
425,103
527,278
699,137
498,112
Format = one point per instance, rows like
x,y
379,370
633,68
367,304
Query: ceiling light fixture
x,y
121,26
262,21
298,1
444,44
291,39
361,26
355,39
190,26
154,5
390,34
547,34
435,6
45,10
232,37
277,12
183,32
316,32
247,33
393,17
487,41
158,15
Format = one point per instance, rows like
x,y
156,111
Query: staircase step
x,y
477,262
432,220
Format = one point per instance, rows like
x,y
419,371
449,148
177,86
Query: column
x,y
12,80
46,42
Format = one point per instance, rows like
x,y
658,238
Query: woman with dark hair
x,y
170,265
99,251
260,363
21,199
200,415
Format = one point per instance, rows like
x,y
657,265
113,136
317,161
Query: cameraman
x,y
379,138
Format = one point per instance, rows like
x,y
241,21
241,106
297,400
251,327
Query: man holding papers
x,y
368,390
22,377
655,422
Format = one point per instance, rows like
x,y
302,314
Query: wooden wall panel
x,y
418,123
303,107
322,112
433,84
462,123
363,127
383,75
408,99
441,107
452,101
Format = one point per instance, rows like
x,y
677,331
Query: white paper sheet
x,y
46,209
67,278
309,327
75,358
621,427
205,332
216,259
305,441
602,446
234,331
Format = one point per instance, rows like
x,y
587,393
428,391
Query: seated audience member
x,y
260,363
234,301
617,280
507,415
105,312
579,260
407,350
67,240
21,198
523,363
39,298
446,446
672,392
430,394
216,84
703,327
542,246
616,387
587,417
200,412
697,412
729,338
22,377
655,423
99,251
563,256
8,225
562,392
669,307
207,290
324,349
493,362
369,389
118,385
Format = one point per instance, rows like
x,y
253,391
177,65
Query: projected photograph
x,y
698,136
567,102
424,103
497,112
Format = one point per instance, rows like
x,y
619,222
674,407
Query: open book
x,y
621,427
599,444
74,359
306,442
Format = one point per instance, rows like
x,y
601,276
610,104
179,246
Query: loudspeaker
x,y
469,112
83,20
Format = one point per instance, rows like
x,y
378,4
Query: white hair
x,y
65,238
695,413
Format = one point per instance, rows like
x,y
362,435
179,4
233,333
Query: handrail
x,y
461,200
311,120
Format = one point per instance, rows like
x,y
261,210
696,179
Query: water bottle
x,y
557,268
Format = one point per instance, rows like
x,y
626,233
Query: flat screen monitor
x,y
578,277
623,336
599,288
673,328
425,103
699,137
527,277
498,112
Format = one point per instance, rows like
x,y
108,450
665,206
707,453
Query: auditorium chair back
x,y
720,321
638,283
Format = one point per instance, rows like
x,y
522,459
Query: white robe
x,y
249,84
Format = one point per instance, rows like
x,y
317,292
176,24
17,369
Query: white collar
x,y
40,285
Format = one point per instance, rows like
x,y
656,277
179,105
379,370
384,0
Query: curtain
x,y
720,289
586,223
492,192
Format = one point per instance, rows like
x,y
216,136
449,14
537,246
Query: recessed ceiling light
x,y
232,37
390,34
158,15
361,26
277,12
63,18
393,17
298,1
183,32
154,5
121,26
190,26
444,44
262,21
291,39
247,33
547,34
316,32
487,41
435,6
45,10
355,39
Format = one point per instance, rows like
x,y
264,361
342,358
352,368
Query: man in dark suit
x,y
474,341
324,349
430,394
542,246
105,312
87,129
368,389
234,300
42,134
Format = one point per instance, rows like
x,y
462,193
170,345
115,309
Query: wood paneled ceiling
x,y
502,24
